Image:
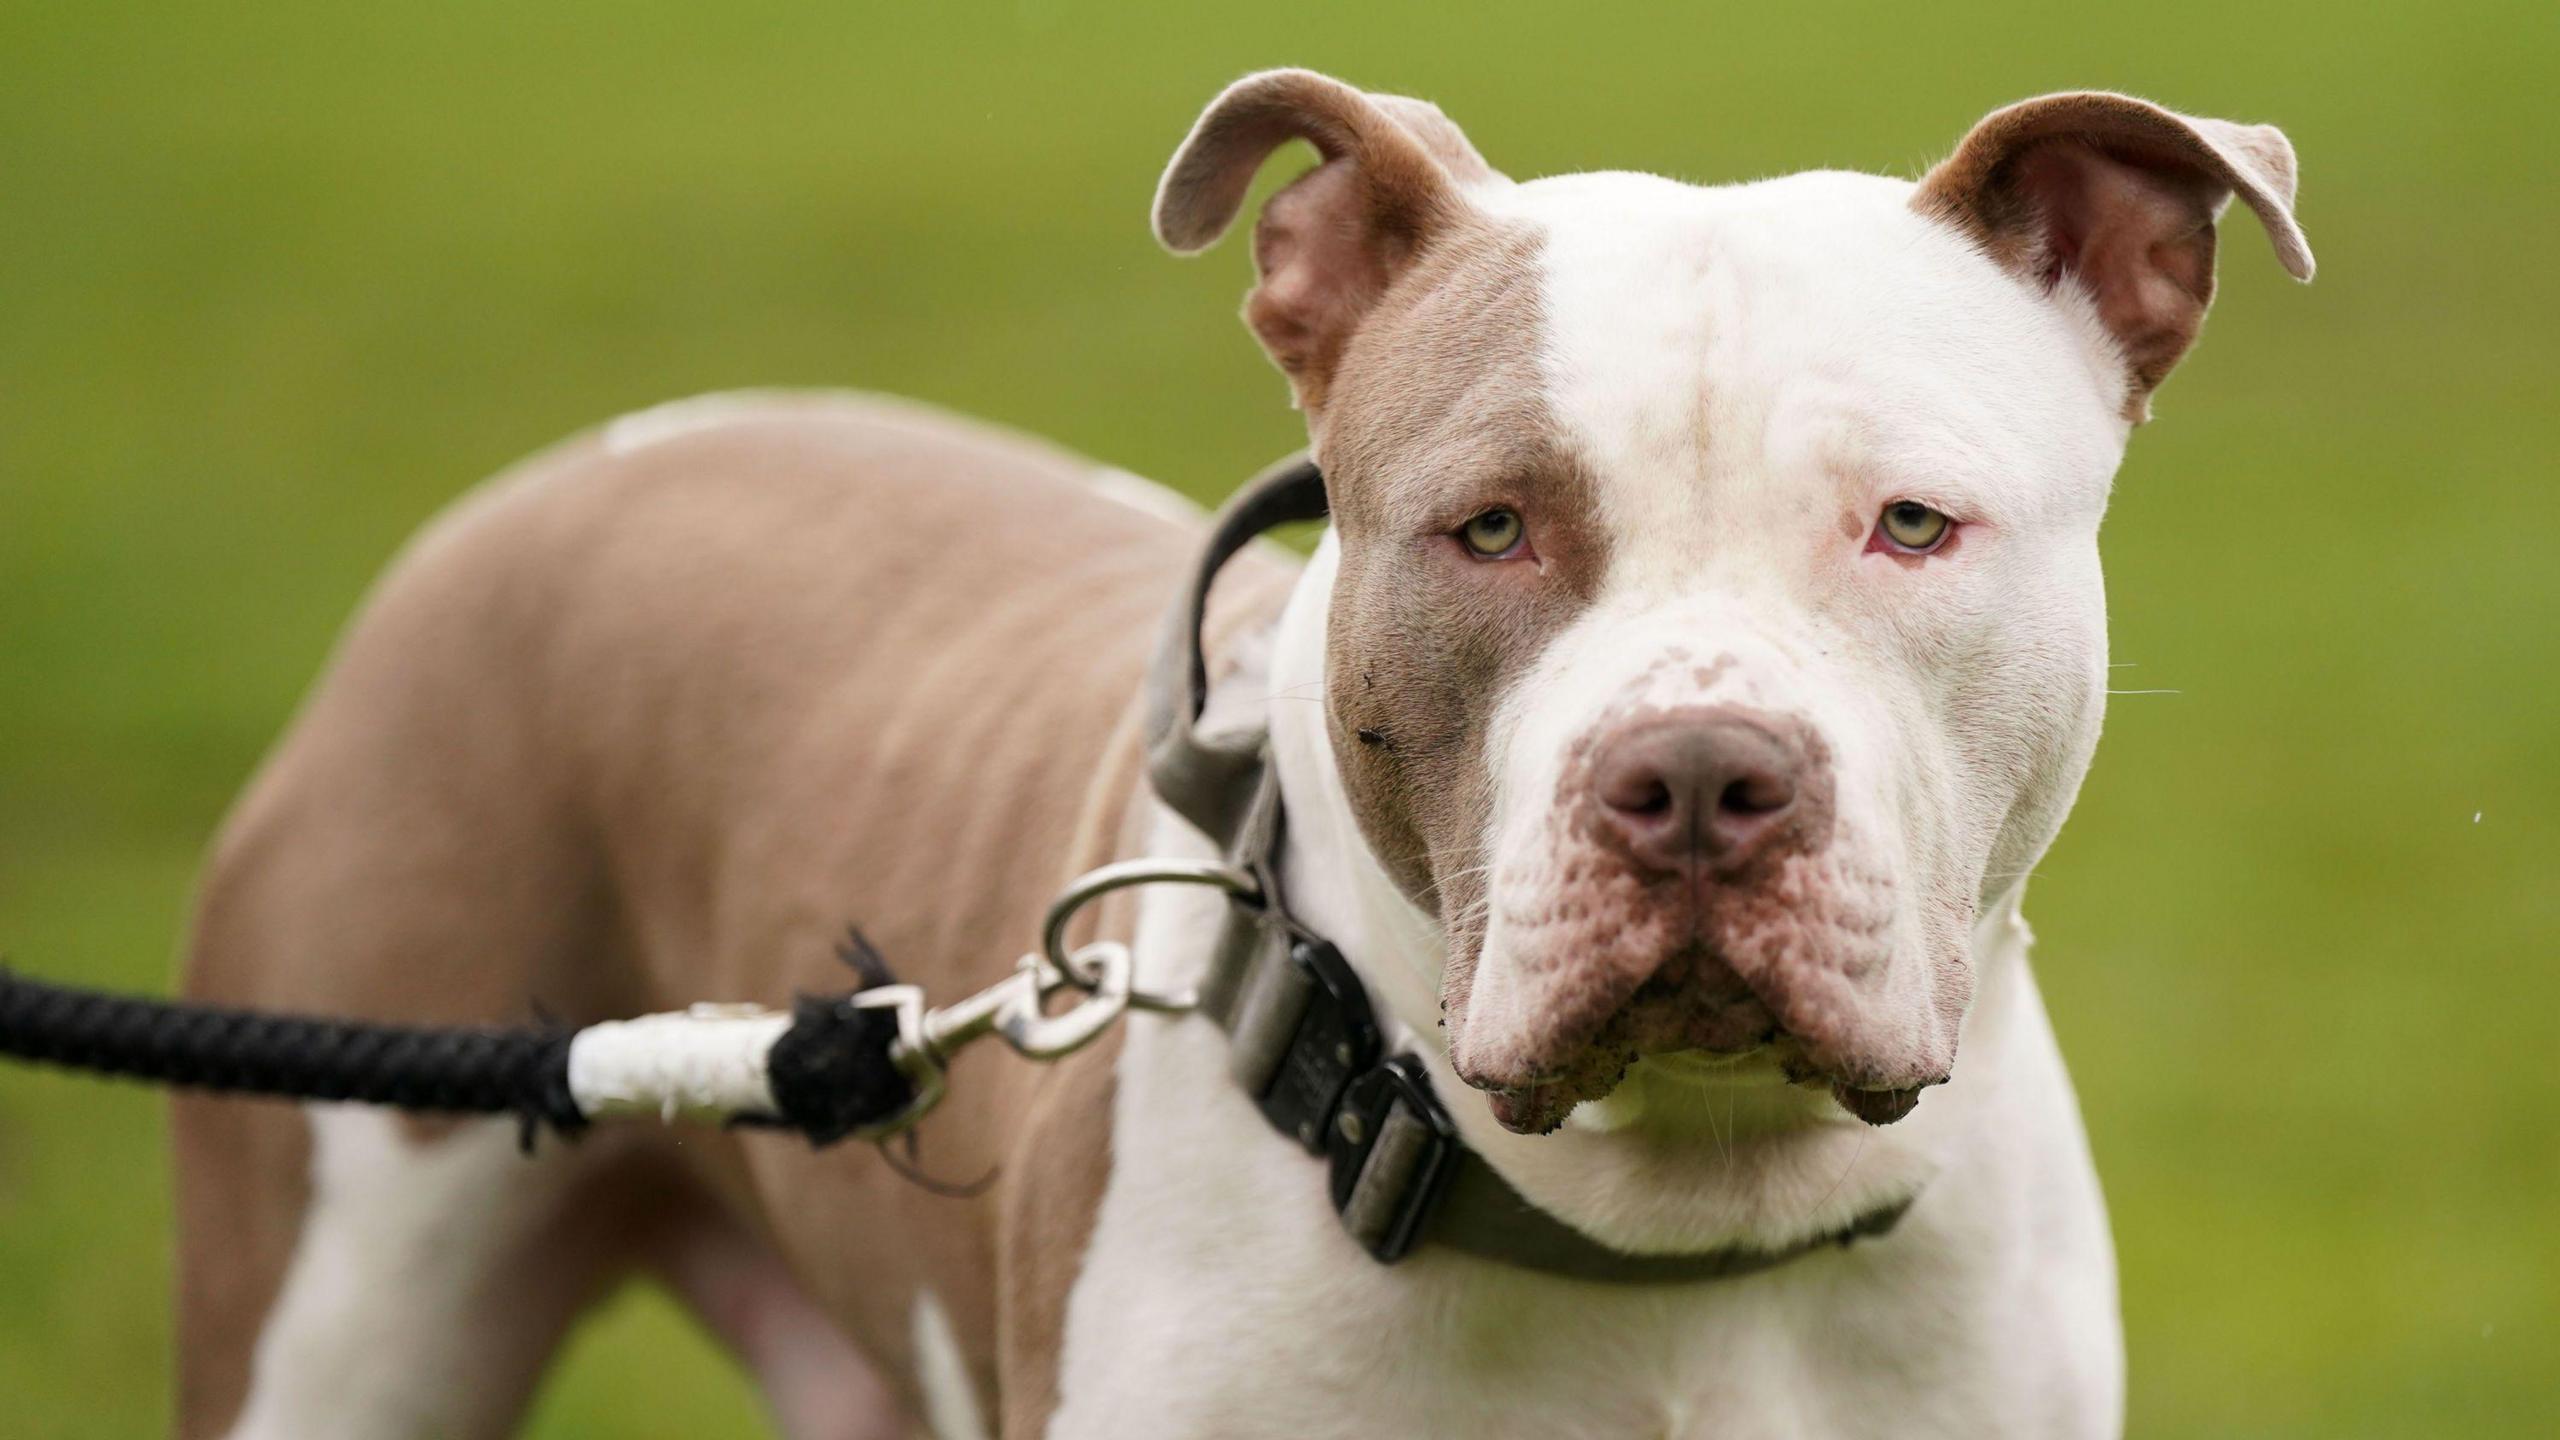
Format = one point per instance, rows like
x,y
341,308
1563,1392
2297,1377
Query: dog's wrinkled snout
x,y
1702,786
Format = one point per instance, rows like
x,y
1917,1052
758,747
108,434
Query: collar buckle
x,y
1392,1150
1303,1029
1308,1050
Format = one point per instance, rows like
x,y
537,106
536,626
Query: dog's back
x,y
655,720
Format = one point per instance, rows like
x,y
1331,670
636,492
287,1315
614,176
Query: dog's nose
x,y
1682,787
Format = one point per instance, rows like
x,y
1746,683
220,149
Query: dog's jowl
x,y
1707,643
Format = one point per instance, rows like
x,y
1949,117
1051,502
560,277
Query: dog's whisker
x,y
1854,1155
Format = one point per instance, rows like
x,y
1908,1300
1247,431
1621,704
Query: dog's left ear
x,y
2120,196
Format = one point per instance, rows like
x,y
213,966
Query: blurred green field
x,y
277,282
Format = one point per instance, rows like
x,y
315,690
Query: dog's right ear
x,y
1393,175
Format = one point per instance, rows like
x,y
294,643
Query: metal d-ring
x,y
1094,884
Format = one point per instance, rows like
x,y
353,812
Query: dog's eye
x,y
1493,534
1912,527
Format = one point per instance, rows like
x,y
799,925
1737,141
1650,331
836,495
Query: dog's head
x,y
1718,625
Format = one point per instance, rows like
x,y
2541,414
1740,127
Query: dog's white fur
x,y
366,1338
2007,412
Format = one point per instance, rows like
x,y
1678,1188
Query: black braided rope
x,y
833,1072
453,1070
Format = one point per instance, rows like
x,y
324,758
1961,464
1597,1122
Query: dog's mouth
x,y
1696,1021
1538,1105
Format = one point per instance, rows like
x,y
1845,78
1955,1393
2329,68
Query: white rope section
x,y
703,1063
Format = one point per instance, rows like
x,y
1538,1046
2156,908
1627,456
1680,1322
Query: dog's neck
x,y
1585,1173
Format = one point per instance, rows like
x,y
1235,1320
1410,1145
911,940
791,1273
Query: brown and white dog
x,y
1708,641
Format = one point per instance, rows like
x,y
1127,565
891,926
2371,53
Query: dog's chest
x,y
1219,1297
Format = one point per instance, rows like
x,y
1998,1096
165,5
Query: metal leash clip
x,y
1016,1008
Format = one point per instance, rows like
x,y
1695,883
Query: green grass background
x,y
278,281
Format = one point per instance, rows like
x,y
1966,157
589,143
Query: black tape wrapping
x,y
835,1070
